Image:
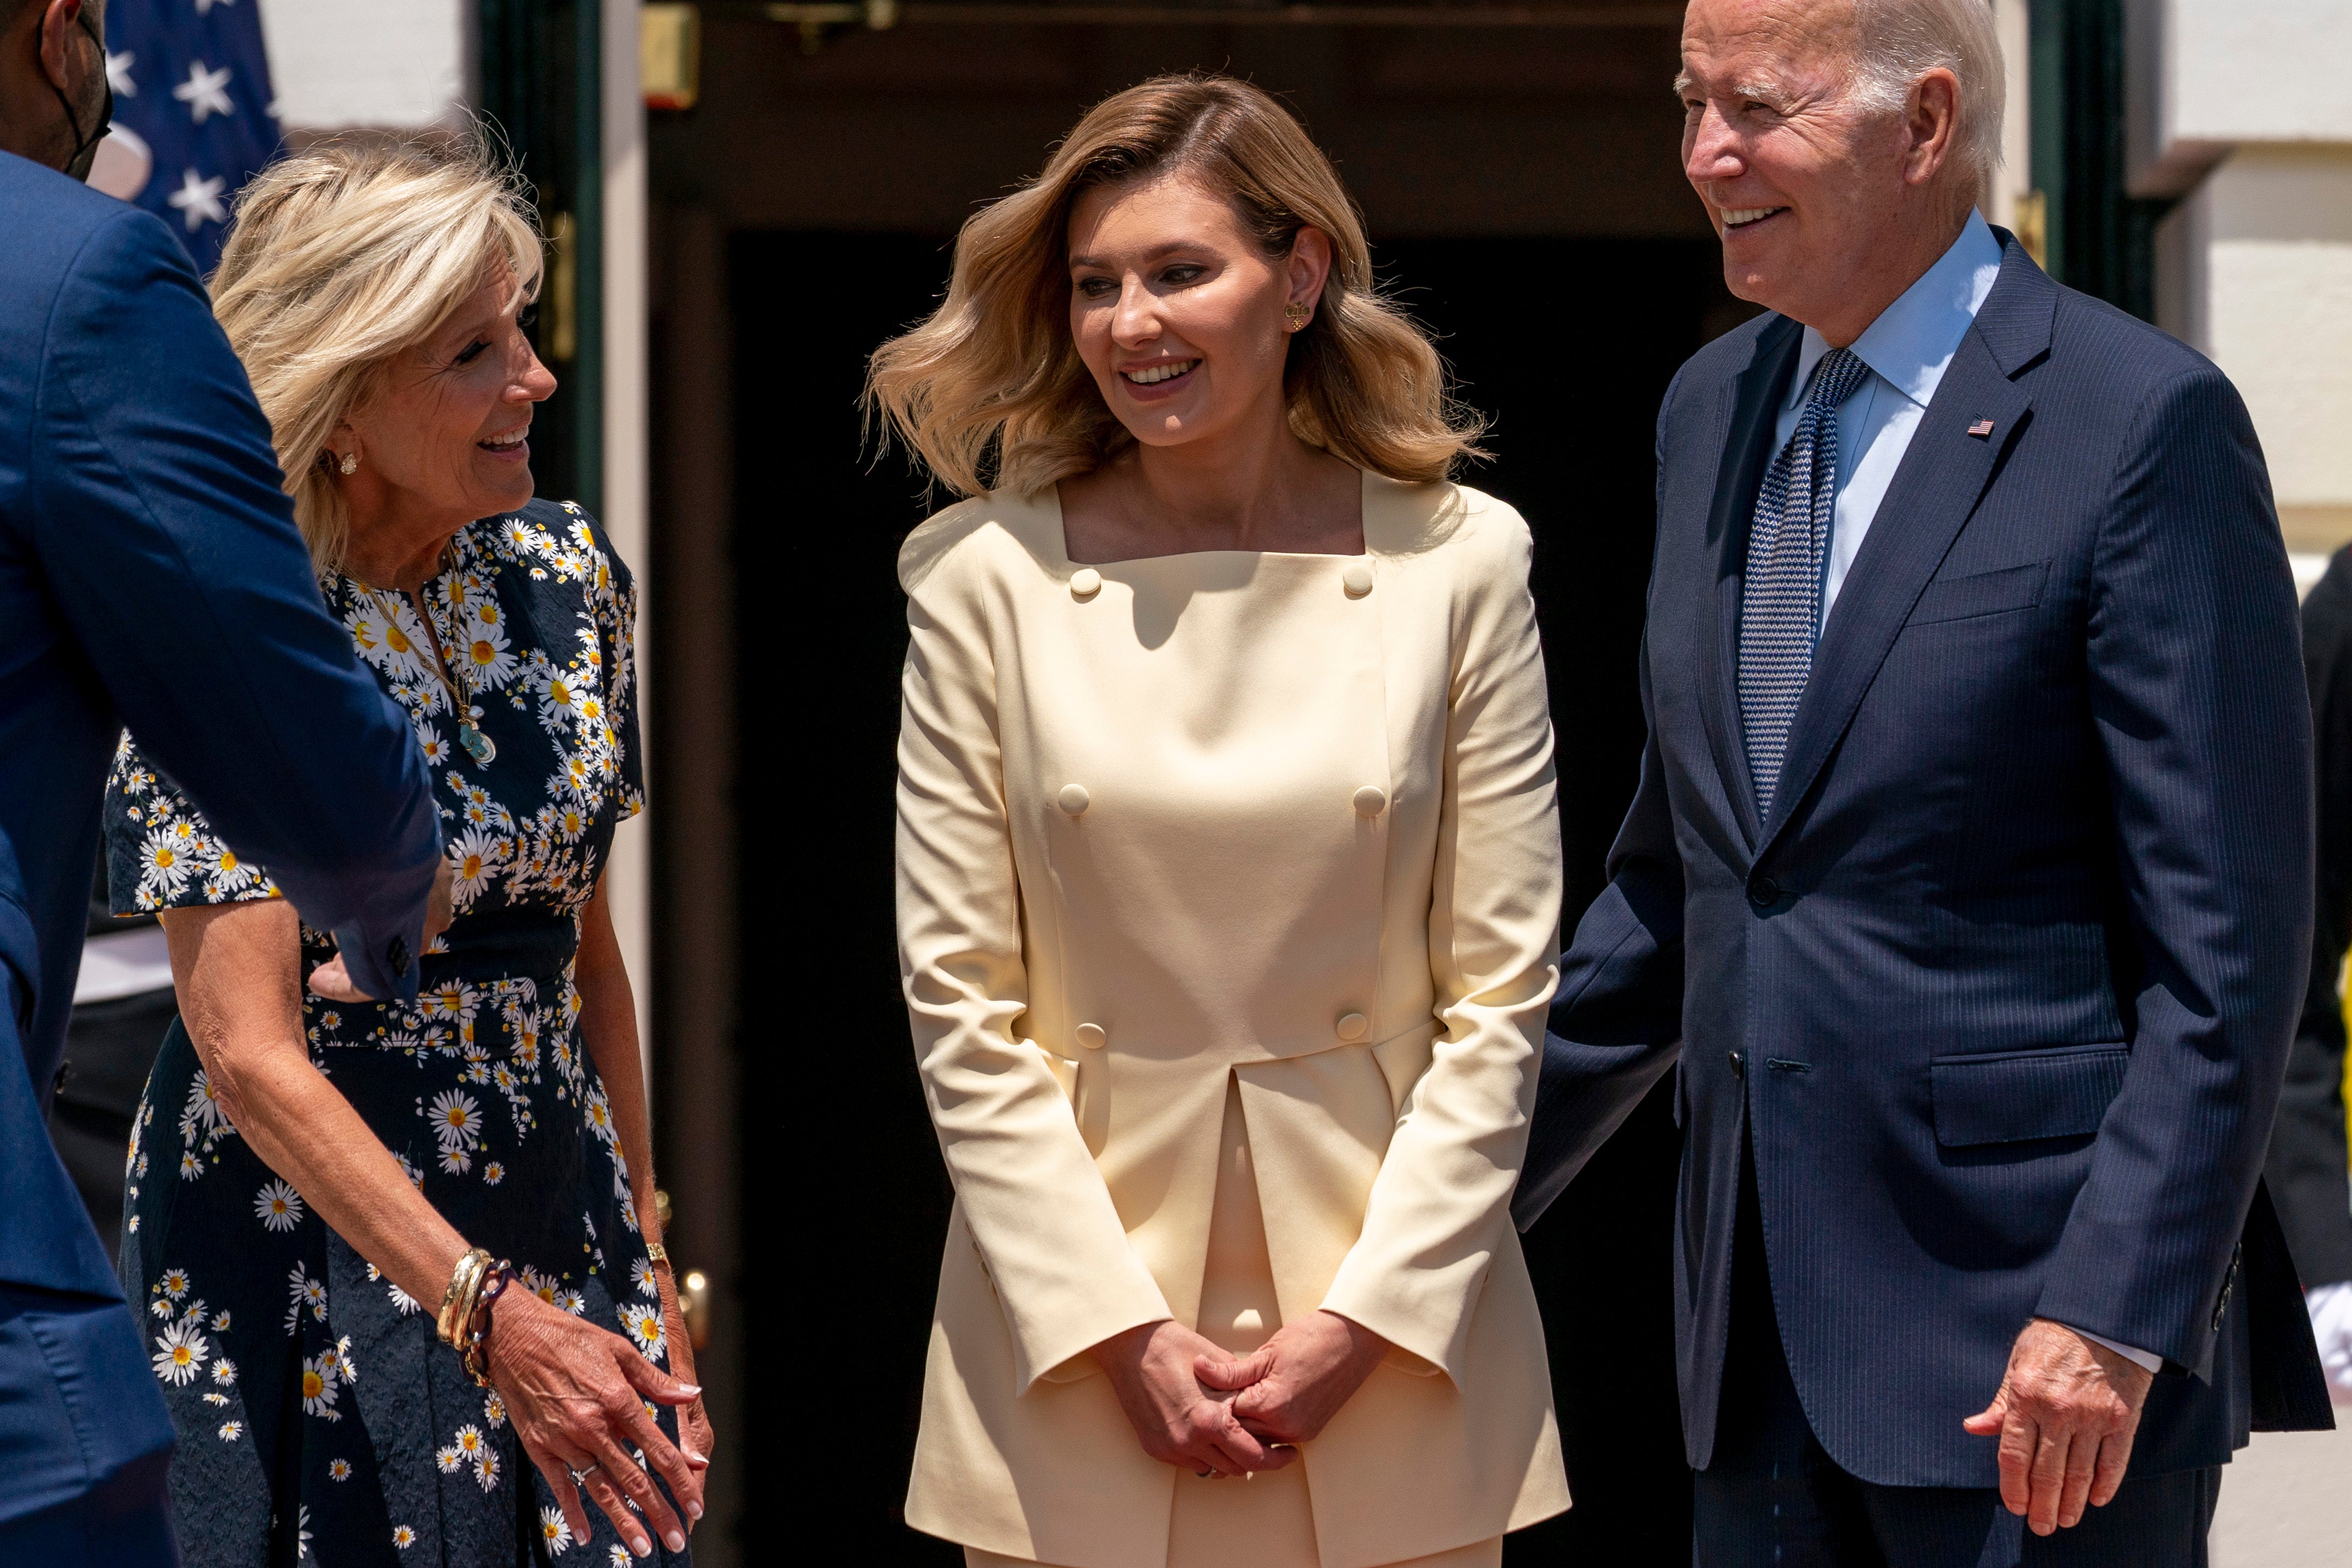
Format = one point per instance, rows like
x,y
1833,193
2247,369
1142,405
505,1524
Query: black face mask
x,y
85,152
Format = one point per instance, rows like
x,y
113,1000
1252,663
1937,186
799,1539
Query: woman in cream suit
x,y
1228,879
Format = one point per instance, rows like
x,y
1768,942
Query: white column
x,y
628,487
2239,111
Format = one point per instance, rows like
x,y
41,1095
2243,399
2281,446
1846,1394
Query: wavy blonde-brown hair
x,y
341,258
990,391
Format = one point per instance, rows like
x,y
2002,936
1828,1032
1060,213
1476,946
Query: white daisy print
x,y
190,1166
449,1459
474,860
175,1283
205,1110
304,1292
554,1531
278,1206
457,1119
180,1350
338,1469
319,1392
224,1370
163,865
484,656
219,1399
486,1470
641,1275
645,1326
230,1431
494,1410
402,1537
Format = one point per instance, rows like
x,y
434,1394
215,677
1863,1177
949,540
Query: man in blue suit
x,y
149,575
1968,882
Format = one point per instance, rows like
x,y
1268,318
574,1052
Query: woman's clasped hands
x,y
1193,1403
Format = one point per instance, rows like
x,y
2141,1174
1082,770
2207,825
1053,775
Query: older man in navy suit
x,y
150,573
1968,883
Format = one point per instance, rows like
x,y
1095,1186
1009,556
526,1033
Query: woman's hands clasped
x,y
1155,1370
1192,1403
576,1394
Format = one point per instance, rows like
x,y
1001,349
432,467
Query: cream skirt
x,y
1265,1521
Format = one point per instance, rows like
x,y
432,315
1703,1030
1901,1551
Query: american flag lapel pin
x,y
1982,429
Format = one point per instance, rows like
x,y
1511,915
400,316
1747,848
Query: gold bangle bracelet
x,y
457,1300
659,1254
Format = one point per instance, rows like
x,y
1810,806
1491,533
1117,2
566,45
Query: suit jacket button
x,y
1084,583
1763,891
1739,1065
1356,578
1351,1025
1370,801
1093,1036
1074,799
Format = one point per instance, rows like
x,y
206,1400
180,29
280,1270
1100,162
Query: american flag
x,y
194,114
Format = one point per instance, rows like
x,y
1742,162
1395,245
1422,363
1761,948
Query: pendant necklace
x,y
479,746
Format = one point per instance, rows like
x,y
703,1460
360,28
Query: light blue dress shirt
x,y
1907,348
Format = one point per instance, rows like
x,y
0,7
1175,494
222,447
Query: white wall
x,y
2208,76
390,63
2237,107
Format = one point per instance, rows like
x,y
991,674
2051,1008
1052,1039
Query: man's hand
x,y
1290,1387
332,980
1152,1367
2066,1414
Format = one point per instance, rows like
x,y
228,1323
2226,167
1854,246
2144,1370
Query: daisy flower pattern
x,y
179,1351
278,1206
480,1090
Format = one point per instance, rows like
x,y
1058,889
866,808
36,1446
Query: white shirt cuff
x,y
2137,1357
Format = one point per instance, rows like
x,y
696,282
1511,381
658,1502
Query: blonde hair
x,y
342,257
990,391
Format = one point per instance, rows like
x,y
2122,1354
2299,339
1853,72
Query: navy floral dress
x,y
320,1420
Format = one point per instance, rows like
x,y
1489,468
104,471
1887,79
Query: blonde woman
x,y
1228,879
387,1254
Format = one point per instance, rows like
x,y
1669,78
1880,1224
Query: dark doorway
x,y
1570,344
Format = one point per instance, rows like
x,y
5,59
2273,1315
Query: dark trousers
x,y
1773,1499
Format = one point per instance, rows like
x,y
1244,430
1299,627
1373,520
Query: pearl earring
x,y
351,463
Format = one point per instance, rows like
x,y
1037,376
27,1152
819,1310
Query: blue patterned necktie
x,y
1780,600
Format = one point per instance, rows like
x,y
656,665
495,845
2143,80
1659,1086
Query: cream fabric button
x,y
1084,583
1356,578
1093,1036
1074,799
1372,800
1351,1025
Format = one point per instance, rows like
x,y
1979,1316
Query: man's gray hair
x,y
1899,41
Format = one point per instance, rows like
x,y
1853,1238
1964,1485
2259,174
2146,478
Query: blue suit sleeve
x,y
171,550
1616,1019
2196,680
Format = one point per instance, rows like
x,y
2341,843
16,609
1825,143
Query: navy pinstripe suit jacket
x,y
2001,989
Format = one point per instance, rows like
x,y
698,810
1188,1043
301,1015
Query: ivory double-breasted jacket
x,y
1286,819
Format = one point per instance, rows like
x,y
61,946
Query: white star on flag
x,y
118,74
198,200
204,92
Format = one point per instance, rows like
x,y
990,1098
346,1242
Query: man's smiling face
x,y
1800,178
